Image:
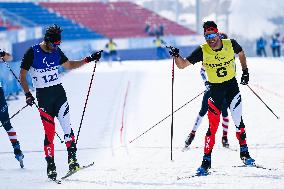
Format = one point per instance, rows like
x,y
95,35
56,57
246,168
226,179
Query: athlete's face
x,y
212,39
51,46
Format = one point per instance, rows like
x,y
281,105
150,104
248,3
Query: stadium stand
x,y
115,20
5,24
29,14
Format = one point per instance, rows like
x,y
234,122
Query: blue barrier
x,y
151,53
10,84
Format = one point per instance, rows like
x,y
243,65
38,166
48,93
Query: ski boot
x,y
18,153
51,168
188,141
225,142
245,157
72,160
203,170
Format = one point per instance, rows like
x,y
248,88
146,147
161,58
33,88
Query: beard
x,y
214,44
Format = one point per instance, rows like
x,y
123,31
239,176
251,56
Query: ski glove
x,y
2,53
30,100
207,85
95,56
174,52
245,77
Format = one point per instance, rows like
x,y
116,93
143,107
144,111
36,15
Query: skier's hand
x,y
30,100
207,85
174,52
245,77
2,53
95,56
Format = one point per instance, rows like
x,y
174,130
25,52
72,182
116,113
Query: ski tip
x,y
184,149
91,164
56,181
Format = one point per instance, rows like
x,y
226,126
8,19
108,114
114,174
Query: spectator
x,y
282,42
147,28
161,52
159,30
154,30
260,47
111,53
275,45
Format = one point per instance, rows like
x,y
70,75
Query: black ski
x,y
192,176
56,181
75,171
231,149
256,166
184,149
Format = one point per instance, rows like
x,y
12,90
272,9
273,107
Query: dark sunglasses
x,y
210,36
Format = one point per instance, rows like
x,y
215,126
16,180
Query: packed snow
x,y
129,98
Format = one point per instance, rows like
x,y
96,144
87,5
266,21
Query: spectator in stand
x,y
154,30
161,27
260,47
147,28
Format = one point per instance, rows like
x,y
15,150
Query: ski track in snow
x,y
145,163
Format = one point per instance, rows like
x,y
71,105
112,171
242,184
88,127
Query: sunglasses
x,y
210,36
55,44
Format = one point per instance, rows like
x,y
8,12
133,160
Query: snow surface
x,y
128,99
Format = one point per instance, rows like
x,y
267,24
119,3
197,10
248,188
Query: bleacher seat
x,y
115,20
31,14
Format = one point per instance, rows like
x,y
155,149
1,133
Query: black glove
x,y
30,100
95,56
207,85
174,52
2,53
245,77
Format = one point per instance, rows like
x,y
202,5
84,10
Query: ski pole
x,y
166,117
172,123
263,102
87,98
14,115
21,85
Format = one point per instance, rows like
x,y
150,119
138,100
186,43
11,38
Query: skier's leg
x,y
225,124
4,118
214,119
49,130
69,137
236,112
202,112
214,107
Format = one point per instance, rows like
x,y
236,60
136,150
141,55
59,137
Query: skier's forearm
x,y
181,63
24,81
243,60
73,64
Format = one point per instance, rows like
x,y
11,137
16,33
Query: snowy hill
x,y
128,99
